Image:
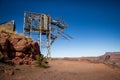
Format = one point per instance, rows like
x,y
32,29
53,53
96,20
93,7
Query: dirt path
x,y
67,70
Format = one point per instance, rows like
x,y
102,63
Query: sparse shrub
x,y
22,35
42,61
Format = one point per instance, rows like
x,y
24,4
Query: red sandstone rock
x,y
4,35
19,54
4,44
20,49
8,72
33,62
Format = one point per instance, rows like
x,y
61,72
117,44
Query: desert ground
x,y
65,70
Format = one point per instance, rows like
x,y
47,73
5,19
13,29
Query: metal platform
x,y
45,28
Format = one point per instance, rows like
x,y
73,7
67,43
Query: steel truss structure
x,y
43,27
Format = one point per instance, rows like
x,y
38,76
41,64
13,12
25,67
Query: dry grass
x,y
22,35
7,31
41,61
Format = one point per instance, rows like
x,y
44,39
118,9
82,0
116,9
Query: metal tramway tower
x,y
46,29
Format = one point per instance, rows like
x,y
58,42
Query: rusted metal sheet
x,y
8,25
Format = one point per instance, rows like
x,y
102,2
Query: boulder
x,y
19,54
4,35
9,72
4,44
19,49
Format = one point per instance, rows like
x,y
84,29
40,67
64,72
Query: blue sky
x,y
93,24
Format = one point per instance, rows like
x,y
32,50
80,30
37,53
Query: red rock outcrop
x,y
18,48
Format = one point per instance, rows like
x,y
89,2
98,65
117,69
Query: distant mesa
x,y
112,53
